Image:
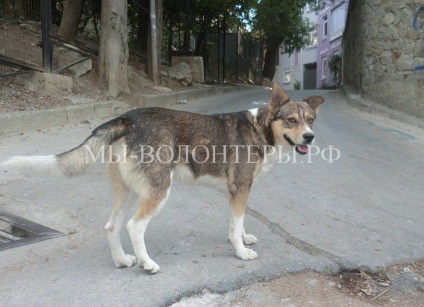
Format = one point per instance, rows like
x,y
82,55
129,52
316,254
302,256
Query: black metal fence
x,y
229,53
29,36
32,37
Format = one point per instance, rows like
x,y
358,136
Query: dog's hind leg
x,y
150,203
120,209
237,233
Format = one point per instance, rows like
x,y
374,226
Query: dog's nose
x,y
308,137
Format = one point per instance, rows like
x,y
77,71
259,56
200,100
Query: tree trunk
x,y
271,59
113,51
70,18
155,74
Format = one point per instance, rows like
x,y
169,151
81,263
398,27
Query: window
x,y
287,76
337,22
312,41
324,26
296,60
324,68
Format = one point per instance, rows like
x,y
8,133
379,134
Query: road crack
x,y
292,240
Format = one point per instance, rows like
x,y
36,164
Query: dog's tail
x,y
79,159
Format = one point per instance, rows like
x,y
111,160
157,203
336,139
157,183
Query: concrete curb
x,y
163,100
22,121
355,99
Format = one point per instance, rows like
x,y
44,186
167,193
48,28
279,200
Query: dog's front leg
x,y
247,238
237,233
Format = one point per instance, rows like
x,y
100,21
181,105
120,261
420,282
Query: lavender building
x,y
308,68
330,24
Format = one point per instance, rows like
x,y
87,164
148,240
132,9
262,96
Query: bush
x,y
297,85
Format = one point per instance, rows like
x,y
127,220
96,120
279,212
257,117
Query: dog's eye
x,y
310,120
292,120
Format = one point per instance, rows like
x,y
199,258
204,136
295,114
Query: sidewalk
x,y
362,103
86,109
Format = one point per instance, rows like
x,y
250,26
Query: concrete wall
x,y
196,65
383,54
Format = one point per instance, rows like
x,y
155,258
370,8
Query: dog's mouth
x,y
300,148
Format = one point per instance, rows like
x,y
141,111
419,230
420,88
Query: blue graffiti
x,y
418,23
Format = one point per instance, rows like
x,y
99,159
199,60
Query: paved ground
x,y
363,210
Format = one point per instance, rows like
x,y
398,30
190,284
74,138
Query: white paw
x,y
151,266
249,239
126,262
247,254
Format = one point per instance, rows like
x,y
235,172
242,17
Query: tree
x,y
205,15
70,19
281,22
113,51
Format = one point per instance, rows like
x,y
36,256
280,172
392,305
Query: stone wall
x,y
383,52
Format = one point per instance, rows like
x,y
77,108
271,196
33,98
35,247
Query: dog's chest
x,y
274,155
262,168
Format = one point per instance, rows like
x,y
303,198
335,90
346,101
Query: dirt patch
x,y
16,96
396,285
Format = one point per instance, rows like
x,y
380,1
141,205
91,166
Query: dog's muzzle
x,y
301,148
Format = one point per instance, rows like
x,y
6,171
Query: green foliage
x,y
275,22
297,85
281,22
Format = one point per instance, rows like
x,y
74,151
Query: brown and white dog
x,y
149,148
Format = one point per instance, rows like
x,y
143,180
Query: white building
x,y
300,68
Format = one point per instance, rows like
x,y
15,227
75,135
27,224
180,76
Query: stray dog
x,y
146,149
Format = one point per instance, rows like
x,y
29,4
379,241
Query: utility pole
x,y
154,72
46,18
224,29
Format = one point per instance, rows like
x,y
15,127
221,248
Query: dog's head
x,y
292,121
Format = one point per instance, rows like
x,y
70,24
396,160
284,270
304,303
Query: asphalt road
x,y
364,210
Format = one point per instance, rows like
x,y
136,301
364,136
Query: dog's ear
x,y
314,102
278,98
